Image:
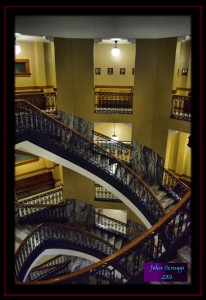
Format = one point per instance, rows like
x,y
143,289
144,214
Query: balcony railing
x,y
118,149
114,100
102,194
181,107
45,101
110,224
173,186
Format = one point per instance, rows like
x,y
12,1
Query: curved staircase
x,y
168,227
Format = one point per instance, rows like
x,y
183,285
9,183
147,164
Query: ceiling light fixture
x,y
114,136
17,48
115,50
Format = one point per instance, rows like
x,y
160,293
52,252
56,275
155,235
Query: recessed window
x,y
22,68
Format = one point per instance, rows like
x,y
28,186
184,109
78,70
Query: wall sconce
x,y
190,141
17,48
114,136
115,50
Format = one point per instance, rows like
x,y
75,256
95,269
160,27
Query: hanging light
x,y
17,48
115,50
114,136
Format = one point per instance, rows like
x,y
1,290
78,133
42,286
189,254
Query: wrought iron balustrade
x,y
120,102
125,265
51,134
118,149
110,224
45,101
174,187
52,196
102,194
63,235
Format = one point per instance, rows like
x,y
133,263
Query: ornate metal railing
x,y
30,206
110,224
114,101
52,196
118,149
51,272
43,100
102,194
53,267
181,107
33,214
156,244
50,234
51,134
130,259
173,186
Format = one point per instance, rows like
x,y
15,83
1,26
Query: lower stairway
x,y
166,200
117,240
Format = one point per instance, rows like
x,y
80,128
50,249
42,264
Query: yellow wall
x,y
104,59
154,70
41,62
182,61
50,67
122,130
75,78
162,102
178,157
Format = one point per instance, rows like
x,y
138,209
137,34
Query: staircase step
x,y
167,202
184,255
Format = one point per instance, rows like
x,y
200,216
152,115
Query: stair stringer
x,y
88,172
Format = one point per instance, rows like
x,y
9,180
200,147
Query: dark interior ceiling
x,y
104,26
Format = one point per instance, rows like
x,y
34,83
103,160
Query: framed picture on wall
x,y
184,72
122,71
97,71
110,71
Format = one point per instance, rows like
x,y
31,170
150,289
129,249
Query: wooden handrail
x,y
62,226
113,256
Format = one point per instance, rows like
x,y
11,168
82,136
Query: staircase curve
x,y
43,135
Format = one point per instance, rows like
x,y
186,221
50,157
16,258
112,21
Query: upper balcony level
x,y
181,107
113,99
